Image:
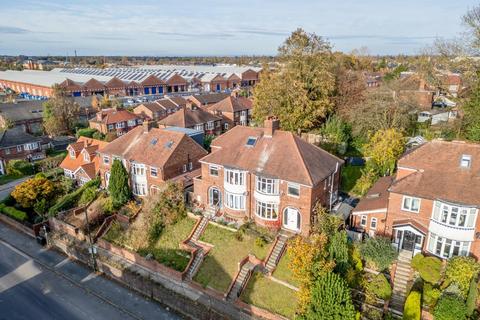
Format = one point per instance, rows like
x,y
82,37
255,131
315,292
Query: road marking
x,y
22,273
62,263
89,277
9,246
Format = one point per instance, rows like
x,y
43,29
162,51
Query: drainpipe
x,y
331,187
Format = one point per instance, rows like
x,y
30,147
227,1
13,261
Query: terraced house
x,y
432,201
267,175
153,156
234,111
118,121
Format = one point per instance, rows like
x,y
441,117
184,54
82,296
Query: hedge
x,y
472,297
68,201
13,213
430,295
20,168
412,309
450,307
379,286
430,268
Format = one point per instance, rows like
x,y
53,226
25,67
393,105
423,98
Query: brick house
x,y
82,162
159,109
433,200
193,117
234,111
153,156
15,144
207,99
118,121
268,176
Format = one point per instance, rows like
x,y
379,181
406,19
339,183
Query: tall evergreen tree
x,y
330,299
118,184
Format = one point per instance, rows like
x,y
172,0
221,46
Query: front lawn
x,y
350,175
221,263
270,295
283,272
167,248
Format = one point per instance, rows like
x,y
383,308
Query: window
x,y
266,210
466,161
19,148
210,125
68,173
139,189
120,125
153,172
132,123
199,127
267,185
455,216
363,221
31,146
251,141
411,204
184,168
213,170
110,127
7,151
447,248
234,201
293,189
86,157
138,169
225,126
234,177
106,159
190,165
373,223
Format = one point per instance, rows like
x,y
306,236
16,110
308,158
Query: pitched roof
x,y
187,118
115,83
437,174
206,99
153,148
93,84
111,116
84,144
16,136
284,155
232,104
376,198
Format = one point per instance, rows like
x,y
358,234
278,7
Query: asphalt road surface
x,y
41,284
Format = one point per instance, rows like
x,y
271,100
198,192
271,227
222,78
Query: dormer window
x,y
86,156
466,161
251,141
72,153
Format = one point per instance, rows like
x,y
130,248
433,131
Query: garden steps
x,y
199,252
195,265
240,281
403,272
200,229
276,253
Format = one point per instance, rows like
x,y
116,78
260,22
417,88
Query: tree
x,y
330,299
336,134
32,190
299,92
60,113
471,118
118,184
338,251
384,149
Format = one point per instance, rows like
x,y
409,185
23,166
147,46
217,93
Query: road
x,y
42,284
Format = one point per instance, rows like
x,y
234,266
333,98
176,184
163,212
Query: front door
x,y
215,197
408,240
291,219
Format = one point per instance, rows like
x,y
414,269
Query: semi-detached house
x,y
432,203
268,176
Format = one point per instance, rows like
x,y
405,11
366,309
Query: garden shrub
x,y
379,286
412,309
356,257
472,297
430,268
378,253
70,200
20,168
461,270
86,132
430,295
88,195
260,241
14,213
450,307
118,187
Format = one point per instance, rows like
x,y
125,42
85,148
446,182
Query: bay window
x,y
234,201
266,210
267,185
139,189
452,215
138,169
447,248
235,177
411,204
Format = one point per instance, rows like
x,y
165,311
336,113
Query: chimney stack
x,y
148,125
271,124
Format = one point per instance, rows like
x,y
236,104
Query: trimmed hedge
x,y
379,286
13,213
430,295
472,297
430,268
450,307
412,309
70,200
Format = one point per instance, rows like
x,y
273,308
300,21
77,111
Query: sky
x,y
222,27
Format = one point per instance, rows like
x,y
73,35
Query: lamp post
x,y
92,247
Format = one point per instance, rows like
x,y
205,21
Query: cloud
x,y
381,37
217,35
13,30
263,32
109,37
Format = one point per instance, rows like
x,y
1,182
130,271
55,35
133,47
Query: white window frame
x,y
293,186
363,220
139,189
211,169
373,223
111,127
266,210
138,169
120,125
190,166
466,161
106,160
410,201
234,201
7,150
210,125
443,213
266,185
184,168
19,148
199,127
433,246
86,157
131,123
154,172
235,177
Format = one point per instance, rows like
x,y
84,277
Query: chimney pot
x,y
271,124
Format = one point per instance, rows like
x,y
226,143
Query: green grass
x,y
53,153
9,178
166,250
221,263
272,296
283,272
350,175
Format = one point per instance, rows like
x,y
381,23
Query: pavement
x,y
7,188
37,283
